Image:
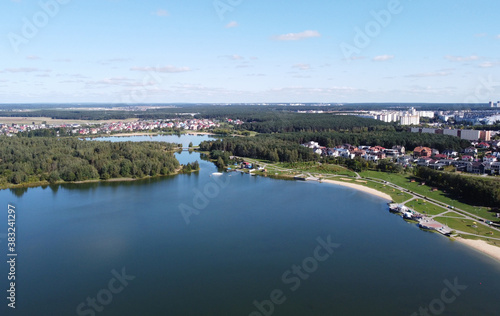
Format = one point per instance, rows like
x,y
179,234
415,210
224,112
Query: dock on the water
x,y
423,221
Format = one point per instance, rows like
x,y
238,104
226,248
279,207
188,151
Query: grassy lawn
x,y
316,168
425,208
404,181
466,226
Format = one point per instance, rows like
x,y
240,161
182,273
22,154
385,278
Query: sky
x,y
242,51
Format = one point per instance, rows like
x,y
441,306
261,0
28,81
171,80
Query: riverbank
x,y
482,246
361,188
47,183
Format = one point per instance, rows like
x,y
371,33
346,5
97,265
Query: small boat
x,y
217,174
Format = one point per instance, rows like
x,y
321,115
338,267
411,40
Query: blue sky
x,y
228,51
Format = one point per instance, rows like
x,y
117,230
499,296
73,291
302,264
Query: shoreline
x,y
361,188
481,246
478,245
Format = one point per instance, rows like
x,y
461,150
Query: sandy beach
x,y
361,188
482,246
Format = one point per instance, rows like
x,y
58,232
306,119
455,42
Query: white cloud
x,y
25,70
161,12
302,66
232,24
383,57
487,64
430,74
234,57
297,36
166,69
461,58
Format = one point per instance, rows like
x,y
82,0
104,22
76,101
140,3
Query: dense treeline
x,y
244,112
46,132
190,167
385,139
26,160
268,148
296,122
474,190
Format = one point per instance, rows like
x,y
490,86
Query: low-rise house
x,y
332,152
470,151
311,145
369,157
422,151
476,167
490,158
424,161
447,162
483,145
450,153
405,160
358,152
495,167
392,152
467,158
347,154
400,149
440,156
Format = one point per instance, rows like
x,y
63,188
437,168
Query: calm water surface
x,y
248,232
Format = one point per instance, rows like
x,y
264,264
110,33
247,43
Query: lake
x,y
235,244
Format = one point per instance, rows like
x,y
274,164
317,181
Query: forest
x,y
386,139
474,190
302,122
50,159
268,148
